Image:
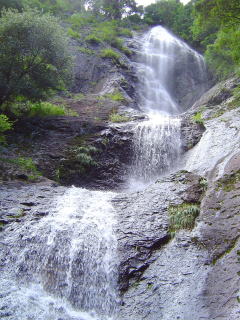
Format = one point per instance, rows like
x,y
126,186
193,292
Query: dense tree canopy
x,y
34,58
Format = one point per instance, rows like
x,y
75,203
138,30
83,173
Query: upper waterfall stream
x,y
63,266
157,141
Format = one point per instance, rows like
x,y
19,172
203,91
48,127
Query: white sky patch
x,y
147,2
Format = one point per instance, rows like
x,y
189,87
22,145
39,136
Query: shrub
x,y
79,20
115,96
198,118
26,164
124,32
92,38
182,216
44,109
86,50
83,155
40,109
111,54
5,125
73,34
116,117
34,57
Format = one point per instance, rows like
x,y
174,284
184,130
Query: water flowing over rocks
x,y
62,249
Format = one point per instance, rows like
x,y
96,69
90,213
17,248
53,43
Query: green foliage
x,y
110,53
5,125
224,55
124,32
92,38
115,96
228,182
83,155
116,117
182,216
173,15
34,58
16,4
44,109
203,183
26,164
236,99
86,50
216,26
198,118
40,109
73,34
80,20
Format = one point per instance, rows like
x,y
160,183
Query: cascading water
x,y
63,263
157,143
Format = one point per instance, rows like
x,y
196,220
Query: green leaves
x,y
34,57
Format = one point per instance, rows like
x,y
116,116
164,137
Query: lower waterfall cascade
x,y
64,265
65,262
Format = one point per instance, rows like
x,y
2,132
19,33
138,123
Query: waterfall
x,y
63,266
63,263
163,63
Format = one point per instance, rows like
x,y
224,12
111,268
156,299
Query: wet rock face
x,y
194,275
143,226
20,201
94,74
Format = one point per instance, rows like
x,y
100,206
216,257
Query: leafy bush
x,y
5,125
182,216
115,96
73,34
116,117
124,32
34,57
26,164
40,109
110,53
79,20
92,38
198,118
86,50
83,155
44,109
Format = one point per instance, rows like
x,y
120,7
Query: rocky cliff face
x,y
195,274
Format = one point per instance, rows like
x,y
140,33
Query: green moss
x,y
203,183
236,100
116,117
27,165
92,38
115,96
231,246
228,182
111,54
77,96
197,118
86,50
182,216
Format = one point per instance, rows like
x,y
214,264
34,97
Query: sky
x,y
147,2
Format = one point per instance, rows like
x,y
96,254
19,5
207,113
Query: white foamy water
x,y
63,266
157,142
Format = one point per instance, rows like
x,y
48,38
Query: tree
x,y
34,58
113,9
10,4
217,26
